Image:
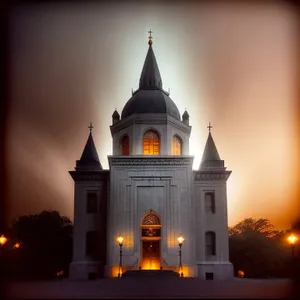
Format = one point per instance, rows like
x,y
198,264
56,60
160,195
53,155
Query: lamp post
x,y
3,241
180,240
120,240
292,239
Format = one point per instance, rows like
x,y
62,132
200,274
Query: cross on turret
x,y
91,126
209,127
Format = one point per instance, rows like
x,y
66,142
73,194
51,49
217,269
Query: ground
x,y
130,288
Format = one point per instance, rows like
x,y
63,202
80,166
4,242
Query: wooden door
x,y
151,255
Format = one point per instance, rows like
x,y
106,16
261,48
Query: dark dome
x,y
150,101
150,98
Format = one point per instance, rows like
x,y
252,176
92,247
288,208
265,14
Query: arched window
x,y
151,219
210,243
210,202
176,145
151,225
151,143
124,145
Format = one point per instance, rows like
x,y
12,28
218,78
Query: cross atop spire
x,y
150,76
91,126
150,37
209,127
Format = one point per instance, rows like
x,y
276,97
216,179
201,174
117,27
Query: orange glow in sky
x,y
233,65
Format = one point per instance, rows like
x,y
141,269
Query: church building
x,y
150,210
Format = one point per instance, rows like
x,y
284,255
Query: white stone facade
x,y
167,185
138,186
135,127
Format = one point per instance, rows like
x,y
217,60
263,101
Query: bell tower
x,y
211,221
90,202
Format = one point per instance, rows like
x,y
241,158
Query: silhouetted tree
x,y
46,245
257,248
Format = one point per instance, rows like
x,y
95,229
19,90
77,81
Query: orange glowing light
x,y
241,273
292,239
151,143
180,239
176,146
3,240
17,245
120,240
115,271
149,264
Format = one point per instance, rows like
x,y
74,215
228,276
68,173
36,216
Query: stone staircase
x,y
150,273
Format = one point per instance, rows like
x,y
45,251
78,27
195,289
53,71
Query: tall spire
x,y
150,76
211,157
89,159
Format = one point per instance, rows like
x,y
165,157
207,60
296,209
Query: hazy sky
x,y
233,65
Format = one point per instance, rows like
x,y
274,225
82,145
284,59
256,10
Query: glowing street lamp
x,y
3,240
180,240
17,245
292,239
241,273
120,240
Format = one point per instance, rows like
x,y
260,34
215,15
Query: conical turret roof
x,y
211,158
115,114
89,158
185,115
210,150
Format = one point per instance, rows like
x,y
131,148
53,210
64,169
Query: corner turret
x,y
89,159
115,117
186,118
211,158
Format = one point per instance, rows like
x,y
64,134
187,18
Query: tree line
x,y
39,246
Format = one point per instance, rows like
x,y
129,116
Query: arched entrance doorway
x,y
150,241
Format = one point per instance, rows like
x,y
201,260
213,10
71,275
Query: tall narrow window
x,y
91,203
151,143
92,244
210,243
210,202
124,145
176,145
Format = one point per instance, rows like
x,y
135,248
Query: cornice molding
x,y
90,175
149,119
180,125
211,175
133,161
121,125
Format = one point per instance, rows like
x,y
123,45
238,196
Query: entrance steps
x,y
150,273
